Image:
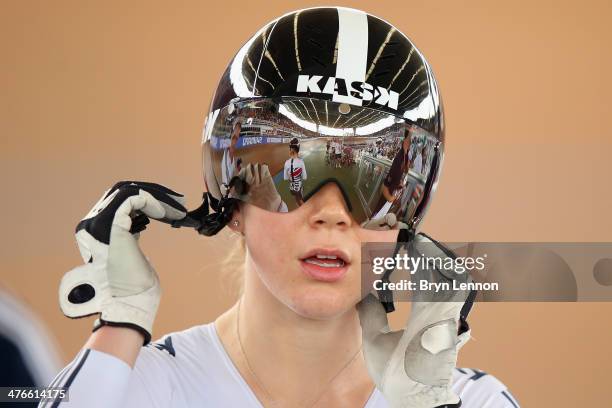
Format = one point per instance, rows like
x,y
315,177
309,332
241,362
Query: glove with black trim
x,y
117,281
413,367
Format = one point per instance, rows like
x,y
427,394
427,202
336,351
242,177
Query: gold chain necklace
x,y
273,402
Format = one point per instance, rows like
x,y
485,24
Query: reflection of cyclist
x,y
398,168
230,164
337,153
418,163
392,181
295,172
378,151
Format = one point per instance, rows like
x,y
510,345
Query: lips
x,y
324,264
325,261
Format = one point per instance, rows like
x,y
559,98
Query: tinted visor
x,y
382,163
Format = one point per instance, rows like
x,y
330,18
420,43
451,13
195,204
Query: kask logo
x,y
348,91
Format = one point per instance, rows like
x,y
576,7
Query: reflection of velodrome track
x,y
313,153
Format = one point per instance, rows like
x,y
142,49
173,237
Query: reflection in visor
x,y
382,162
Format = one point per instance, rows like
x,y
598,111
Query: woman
x,y
392,183
295,172
295,337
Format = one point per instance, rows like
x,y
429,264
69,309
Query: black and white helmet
x,y
324,74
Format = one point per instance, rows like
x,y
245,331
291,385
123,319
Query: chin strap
x,y
205,222
469,301
385,295
405,236
210,224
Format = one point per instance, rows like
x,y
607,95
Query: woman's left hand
x,y
413,367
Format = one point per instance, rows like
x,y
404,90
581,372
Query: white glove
x,y
117,280
260,189
413,367
388,222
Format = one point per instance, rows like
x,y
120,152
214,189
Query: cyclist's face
x,y
310,258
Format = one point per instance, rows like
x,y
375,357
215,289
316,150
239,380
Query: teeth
x,y
319,256
336,264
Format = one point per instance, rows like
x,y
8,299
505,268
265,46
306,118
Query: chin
x,y
321,302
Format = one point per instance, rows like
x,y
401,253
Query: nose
x,y
328,208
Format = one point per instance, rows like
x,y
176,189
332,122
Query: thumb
x,y
372,317
379,342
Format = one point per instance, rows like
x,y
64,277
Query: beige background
x,y
93,92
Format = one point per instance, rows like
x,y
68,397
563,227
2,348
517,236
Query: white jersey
x,y
295,172
417,165
192,369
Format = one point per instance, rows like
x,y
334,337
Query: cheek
x,y
269,240
274,241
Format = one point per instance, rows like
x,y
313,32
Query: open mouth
x,y
326,261
325,265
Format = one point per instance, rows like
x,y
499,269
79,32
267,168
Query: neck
x,y
316,357
301,339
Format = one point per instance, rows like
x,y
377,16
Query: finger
x,y
100,205
243,174
117,186
143,202
153,186
381,224
375,225
391,219
158,206
265,172
168,197
379,342
173,210
401,225
171,213
250,176
257,173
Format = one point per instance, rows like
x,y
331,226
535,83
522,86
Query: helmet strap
x,y
385,295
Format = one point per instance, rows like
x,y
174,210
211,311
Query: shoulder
x,y
478,388
163,366
188,368
176,351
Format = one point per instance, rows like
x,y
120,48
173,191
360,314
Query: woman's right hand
x,y
117,281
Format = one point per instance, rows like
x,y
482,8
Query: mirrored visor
x,y
276,153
